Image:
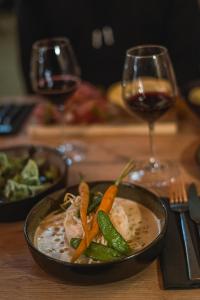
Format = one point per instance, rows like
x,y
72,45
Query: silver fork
x,y
179,203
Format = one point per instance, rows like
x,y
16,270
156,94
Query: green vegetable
x,y
17,164
74,242
10,166
3,159
97,251
113,237
15,191
4,163
20,177
94,202
30,173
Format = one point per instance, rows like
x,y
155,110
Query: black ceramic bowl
x,y
87,274
18,210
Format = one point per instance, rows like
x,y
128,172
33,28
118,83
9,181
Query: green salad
x,y
22,176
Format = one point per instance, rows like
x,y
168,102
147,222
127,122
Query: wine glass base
x,y
74,151
162,175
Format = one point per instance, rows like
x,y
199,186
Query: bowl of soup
x,y
129,237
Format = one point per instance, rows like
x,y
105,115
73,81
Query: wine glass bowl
x,y
149,90
54,70
149,85
149,98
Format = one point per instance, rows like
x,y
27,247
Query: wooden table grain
x,y
22,279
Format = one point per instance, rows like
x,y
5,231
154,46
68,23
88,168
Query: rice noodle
x,y
68,199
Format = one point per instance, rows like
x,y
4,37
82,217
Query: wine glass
x,y
55,75
149,89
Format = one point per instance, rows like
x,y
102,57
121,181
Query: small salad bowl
x,y
28,174
100,272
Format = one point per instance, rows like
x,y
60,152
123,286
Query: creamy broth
x,y
136,223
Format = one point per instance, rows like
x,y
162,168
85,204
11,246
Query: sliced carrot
x,y
105,205
106,202
85,195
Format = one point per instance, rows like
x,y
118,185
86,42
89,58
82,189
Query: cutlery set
x,y
182,201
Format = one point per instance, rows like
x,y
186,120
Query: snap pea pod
x,y
97,251
113,237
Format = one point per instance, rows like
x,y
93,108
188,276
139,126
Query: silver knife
x,y
194,205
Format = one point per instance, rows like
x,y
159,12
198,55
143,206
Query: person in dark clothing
x,y
102,31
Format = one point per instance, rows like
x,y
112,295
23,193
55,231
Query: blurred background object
x,y
7,4
11,82
102,31
170,28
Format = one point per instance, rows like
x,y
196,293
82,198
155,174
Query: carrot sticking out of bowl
x,y
84,193
105,205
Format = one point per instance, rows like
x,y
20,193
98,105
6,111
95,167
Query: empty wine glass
x,y
55,75
149,90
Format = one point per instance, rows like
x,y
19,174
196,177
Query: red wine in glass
x,y
59,88
149,106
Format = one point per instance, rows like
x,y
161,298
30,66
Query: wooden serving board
x,y
36,130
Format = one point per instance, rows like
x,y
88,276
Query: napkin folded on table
x,y
173,260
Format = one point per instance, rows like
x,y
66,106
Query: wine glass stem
x,y
152,159
61,109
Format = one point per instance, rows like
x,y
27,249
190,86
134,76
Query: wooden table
x,y
21,278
